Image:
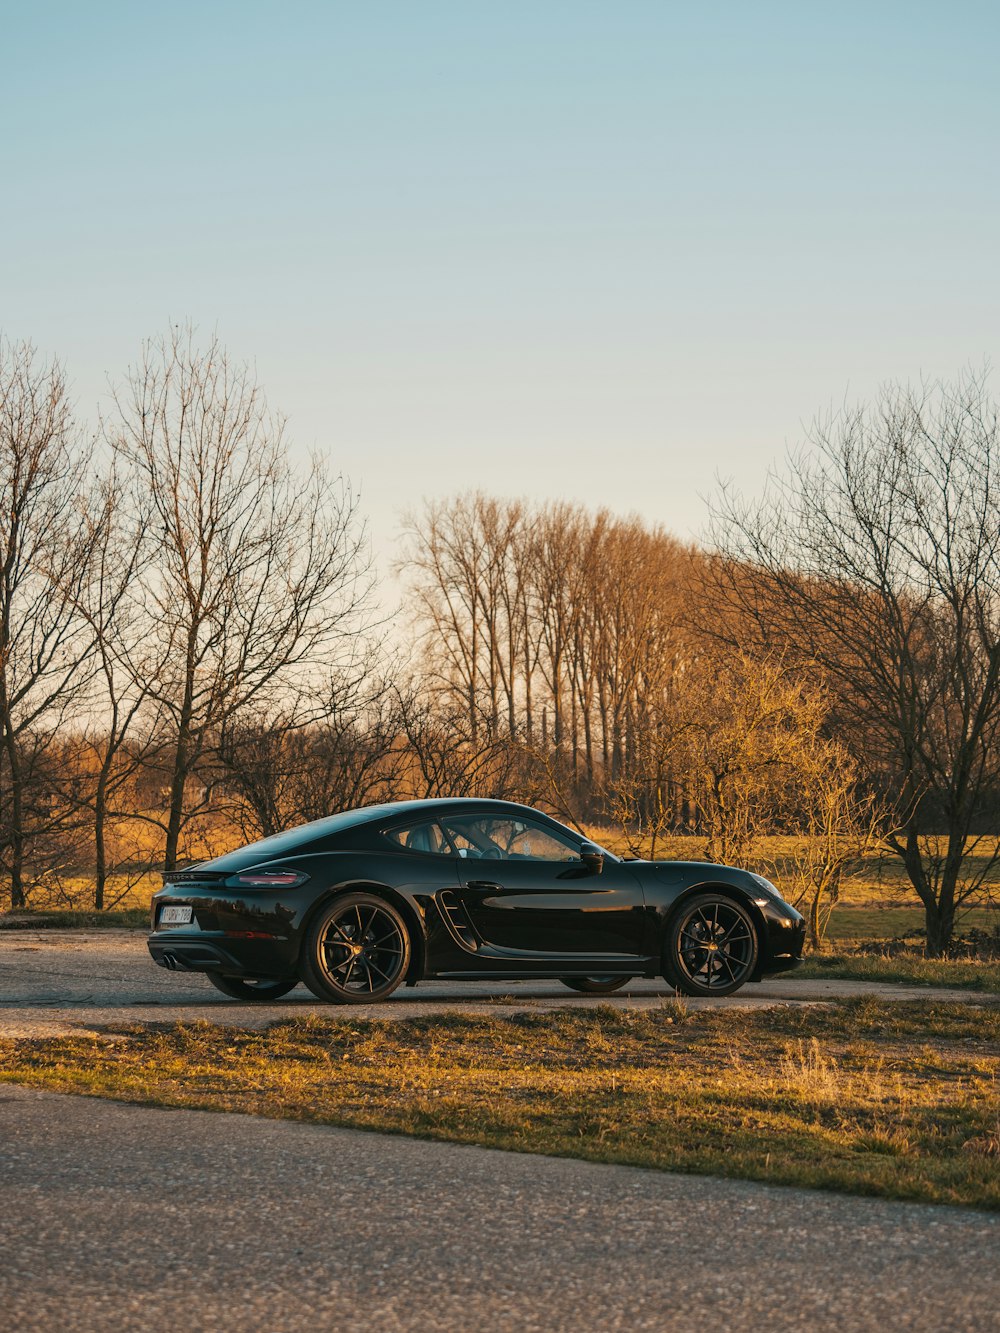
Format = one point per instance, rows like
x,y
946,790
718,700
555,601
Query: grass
x,y
899,1101
866,923
129,918
909,968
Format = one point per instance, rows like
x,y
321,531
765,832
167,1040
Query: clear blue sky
x,y
601,251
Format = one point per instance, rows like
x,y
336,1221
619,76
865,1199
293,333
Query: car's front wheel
x,y
357,950
595,985
711,946
250,988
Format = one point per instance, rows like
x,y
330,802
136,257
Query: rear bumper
x,y
201,952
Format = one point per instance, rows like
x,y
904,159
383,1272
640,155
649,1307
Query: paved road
x,y
80,981
120,1217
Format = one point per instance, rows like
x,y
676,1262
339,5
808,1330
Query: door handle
x,y
483,886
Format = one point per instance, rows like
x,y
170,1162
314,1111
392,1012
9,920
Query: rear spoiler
x,y
194,876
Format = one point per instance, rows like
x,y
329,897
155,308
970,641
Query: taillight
x,y
267,879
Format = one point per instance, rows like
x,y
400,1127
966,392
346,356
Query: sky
x,y
609,252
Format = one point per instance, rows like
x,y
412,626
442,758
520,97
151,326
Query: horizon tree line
x,y
188,632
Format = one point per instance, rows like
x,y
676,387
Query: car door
x,y
526,892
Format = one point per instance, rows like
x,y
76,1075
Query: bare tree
x,y
552,627
560,584
45,554
447,761
443,562
344,748
259,570
113,607
465,560
836,822
875,557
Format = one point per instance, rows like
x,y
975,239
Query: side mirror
x,y
592,858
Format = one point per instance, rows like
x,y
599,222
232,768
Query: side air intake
x,y
457,920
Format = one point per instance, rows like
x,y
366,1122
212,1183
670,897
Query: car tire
x,y
261,989
711,947
357,950
595,985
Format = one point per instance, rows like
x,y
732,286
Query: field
x,y
898,1100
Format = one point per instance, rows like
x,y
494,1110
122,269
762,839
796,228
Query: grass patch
x,y
131,918
867,923
910,968
896,1100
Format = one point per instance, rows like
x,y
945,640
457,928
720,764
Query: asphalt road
x,y
81,981
122,1217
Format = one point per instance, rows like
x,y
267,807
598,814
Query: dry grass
x,y
893,1100
909,968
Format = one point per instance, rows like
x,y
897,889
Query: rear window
x,y
423,837
292,840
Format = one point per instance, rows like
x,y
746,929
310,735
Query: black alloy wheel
x,y
712,946
595,985
357,950
251,988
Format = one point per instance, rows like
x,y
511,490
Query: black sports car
x,y
356,904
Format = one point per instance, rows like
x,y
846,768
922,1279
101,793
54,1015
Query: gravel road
x,y
120,1217
81,981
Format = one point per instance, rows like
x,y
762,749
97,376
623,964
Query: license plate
x,y
176,916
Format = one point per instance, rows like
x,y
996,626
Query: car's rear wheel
x,y
251,988
595,985
711,946
357,950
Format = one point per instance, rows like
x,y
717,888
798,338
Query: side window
x,y
491,839
425,837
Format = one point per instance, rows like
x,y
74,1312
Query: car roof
x,y
303,835
373,814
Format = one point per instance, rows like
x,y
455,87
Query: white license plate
x,y
176,916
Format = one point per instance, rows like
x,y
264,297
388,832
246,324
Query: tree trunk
x,y
815,924
100,843
940,924
182,761
17,894
176,814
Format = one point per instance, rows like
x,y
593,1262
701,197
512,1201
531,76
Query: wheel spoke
x,y
735,965
393,935
725,961
374,967
735,926
732,939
